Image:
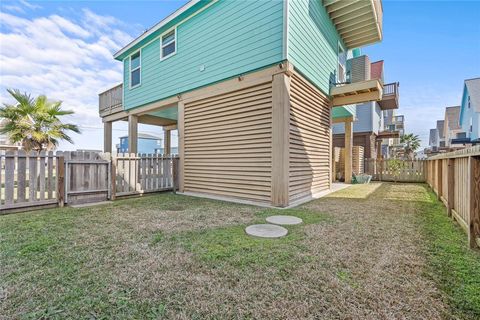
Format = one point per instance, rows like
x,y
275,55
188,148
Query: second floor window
x,y
468,102
135,69
169,44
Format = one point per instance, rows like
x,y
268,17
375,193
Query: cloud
x,y
13,8
30,5
68,58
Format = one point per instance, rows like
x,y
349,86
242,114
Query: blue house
x,y
147,143
470,113
252,88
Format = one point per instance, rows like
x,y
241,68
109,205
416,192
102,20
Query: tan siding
x,y
228,144
310,140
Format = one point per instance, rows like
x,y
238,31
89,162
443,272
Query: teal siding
x,y
229,38
313,42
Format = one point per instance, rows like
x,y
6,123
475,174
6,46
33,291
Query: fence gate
x,y
87,177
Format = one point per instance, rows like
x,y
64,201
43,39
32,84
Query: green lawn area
x,y
369,251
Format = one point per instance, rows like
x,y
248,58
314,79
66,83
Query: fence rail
x,y
455,178
35,180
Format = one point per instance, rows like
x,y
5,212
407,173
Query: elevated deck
x,y
390,96
110,101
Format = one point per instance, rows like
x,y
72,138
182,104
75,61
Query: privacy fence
x,y
455,178
396,170
40,180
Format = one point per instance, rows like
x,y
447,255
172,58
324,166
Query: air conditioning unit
x,y
358,69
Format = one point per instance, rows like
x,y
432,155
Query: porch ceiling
x,y
168,113
359,22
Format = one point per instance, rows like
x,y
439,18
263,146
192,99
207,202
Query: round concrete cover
x,y
284,220
266,231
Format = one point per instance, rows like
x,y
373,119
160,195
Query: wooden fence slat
x,y
50,180
41,163
21,176
32,176
9,177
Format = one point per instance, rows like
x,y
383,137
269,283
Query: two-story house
x,y
470,112
252,88
451,125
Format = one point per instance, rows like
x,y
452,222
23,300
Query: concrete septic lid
x,y
266,231
284,220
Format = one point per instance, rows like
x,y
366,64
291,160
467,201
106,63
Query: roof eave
x,y
155,28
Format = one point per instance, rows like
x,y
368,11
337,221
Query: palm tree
x,y
35,122
410,144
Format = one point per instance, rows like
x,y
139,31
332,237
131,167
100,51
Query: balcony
x,y
357,92
390,96
359,23
110,101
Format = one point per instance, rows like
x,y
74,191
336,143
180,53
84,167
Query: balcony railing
x,y
390,96
110,101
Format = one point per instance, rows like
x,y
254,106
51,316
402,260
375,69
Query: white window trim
x,y
162,45
130,69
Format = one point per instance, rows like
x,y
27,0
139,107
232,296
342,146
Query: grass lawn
x,y
369,251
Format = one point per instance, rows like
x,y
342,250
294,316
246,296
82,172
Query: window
x,y
468,102
135,69
169,44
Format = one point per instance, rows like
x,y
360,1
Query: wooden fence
x,y
27,179
396,170
137,174
455,178
39,180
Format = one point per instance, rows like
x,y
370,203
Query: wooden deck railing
x,y
390,89
110,101
455,178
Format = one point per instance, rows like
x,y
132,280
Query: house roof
x,y
473,87
376,70
452,116
440,128
145,136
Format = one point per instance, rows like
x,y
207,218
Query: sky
x,y
64,49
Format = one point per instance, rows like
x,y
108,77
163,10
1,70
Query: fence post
x,y
451,186
113,178
474,203
439,179
174,174
61,181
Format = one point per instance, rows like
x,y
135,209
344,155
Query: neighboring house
x,y
369,127
433,141
441,133
392,147
470,112
146,143
252,87
451,125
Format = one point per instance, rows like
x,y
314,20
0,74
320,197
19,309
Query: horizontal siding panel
x,y
229,38
310,142
313,42
228,150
